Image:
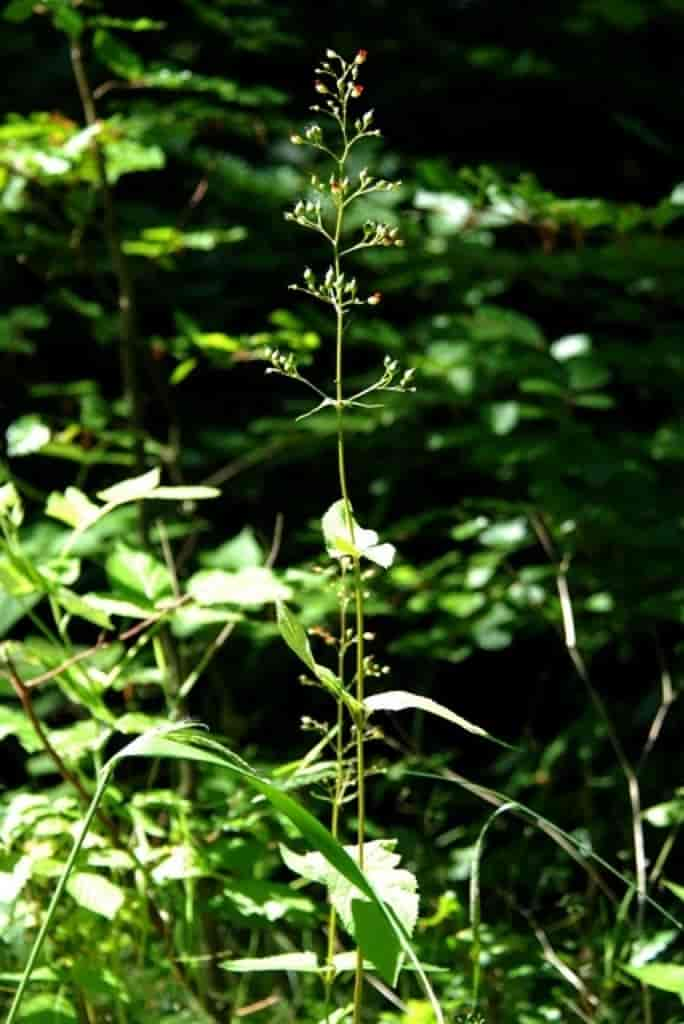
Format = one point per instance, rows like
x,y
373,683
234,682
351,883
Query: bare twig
x,y
128,342
276,541
630,774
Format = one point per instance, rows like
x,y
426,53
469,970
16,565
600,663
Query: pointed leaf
x,y
395,886
72,508
294,635
667,977
133,489
300,963
401,700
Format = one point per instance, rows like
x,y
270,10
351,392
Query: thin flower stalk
x,y
323,212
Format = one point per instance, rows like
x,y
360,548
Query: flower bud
x,y
361,56
374,299
296,140
357,90
321,87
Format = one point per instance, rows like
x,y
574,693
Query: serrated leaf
x,y
96,893
396,886
356,542
402,700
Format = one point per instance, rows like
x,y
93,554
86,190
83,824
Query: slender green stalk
x,y
56,897
339,84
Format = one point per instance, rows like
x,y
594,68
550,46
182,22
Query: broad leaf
x,y
667,977
395,886
356,542
250,587
96,893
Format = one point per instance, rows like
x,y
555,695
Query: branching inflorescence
x,y
323,212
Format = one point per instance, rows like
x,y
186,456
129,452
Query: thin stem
x,y
358,582
56,896
129,342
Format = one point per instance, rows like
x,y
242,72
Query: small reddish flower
x,y
374,299
357,90
321,87
361,57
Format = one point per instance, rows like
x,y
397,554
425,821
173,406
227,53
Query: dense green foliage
x,y
530,486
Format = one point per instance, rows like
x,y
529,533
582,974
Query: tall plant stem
x,y
358,582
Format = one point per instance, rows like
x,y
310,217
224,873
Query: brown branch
x,y
24,695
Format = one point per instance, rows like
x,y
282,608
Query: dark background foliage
x,y
539,296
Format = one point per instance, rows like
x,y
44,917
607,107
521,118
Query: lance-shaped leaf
x,y
402,700
294,635
354,542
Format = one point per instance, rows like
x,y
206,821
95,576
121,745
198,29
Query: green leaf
x,y
251,587
72,508
18,10
294,635
15,723
11,506
177,742
356,542
269,901
503,417
116,55
48,1008
189,493
401,700
395,886
96,893
461,604
182,862
132,489
570,346
240,552
506,534
81,607
138,573
667,977
27,435
300,963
